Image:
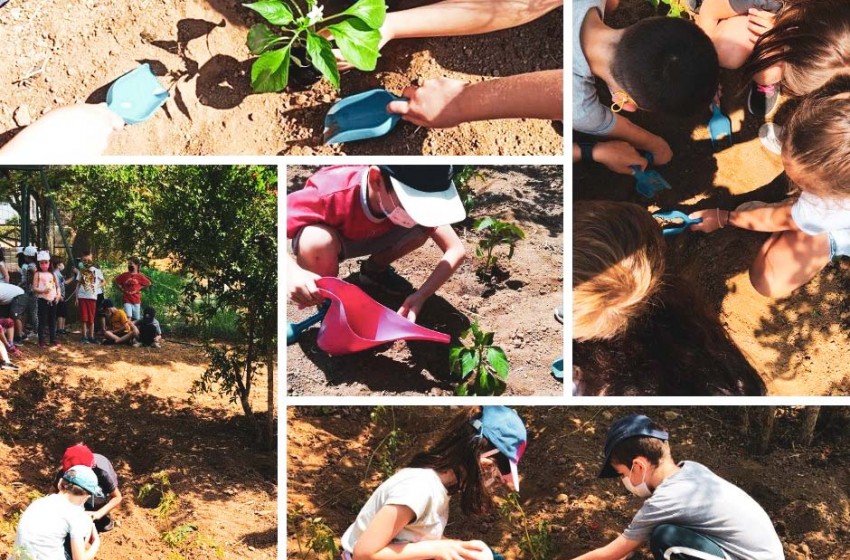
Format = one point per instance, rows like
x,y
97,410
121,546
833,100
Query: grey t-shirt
x,y
589,115
698,499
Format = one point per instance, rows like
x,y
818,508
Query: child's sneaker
x,y
763,100
136,344
156,345
18,341
386,279
42,345
86,340
770,136
56,344
9,366
15,351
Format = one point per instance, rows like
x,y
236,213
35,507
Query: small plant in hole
x,y
495,233
536,543
294,39
482,367
676,7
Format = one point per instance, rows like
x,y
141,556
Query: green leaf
x,y
468,361
274,11
454,356
484,381
357,42
371,12
487,340
322,56
270,72
260,38
498,361
461,390
478,251
484,223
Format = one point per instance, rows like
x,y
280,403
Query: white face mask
x,y
398,216
641,490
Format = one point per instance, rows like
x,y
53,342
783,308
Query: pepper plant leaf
x,y
322,56
270,72
370,12
274,11
357,42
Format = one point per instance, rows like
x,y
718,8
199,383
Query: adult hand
x,y
434,105
74,131
411,307
660,149
618,156
301,286
760,21
712,220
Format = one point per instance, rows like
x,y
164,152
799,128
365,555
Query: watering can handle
x,y
316,317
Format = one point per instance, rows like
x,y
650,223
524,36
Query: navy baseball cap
x,y
503,427
427,193
627,427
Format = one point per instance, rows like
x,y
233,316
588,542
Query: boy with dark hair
x,y
689,512
89,292
100,507
658,64
131,284
379,212
150,333
121,329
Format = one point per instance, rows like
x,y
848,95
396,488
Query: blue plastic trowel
x,y
650,181
674,222
719,128
136,95
360,117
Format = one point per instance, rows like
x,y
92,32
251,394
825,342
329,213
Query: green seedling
x,y
178,535
388,448
466,174
494,234
482,367
166,500
295,39
677,7
535,543
320,537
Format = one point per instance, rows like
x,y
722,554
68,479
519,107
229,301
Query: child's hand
x,y
411,307
661,151
301,287
459,550
760,22
712,220
618,156
434,105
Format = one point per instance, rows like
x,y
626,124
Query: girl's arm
x,y
454,254
375,542
710,14
768,219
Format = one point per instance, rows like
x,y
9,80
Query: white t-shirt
x,y
45,524
8,292
697,499
589,114
814,215
91,282
418,489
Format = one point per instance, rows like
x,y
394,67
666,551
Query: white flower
x,y
315,15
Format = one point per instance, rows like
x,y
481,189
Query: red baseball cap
x,y
77,455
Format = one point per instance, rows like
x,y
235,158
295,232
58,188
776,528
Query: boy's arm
x,y
454,254
710,14
624,129
768,219
617,549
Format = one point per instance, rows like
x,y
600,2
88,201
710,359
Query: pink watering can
x,y
356,322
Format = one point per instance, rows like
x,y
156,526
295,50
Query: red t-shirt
x,y
131,284
332,196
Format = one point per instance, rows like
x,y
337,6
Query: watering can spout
x,y
355,322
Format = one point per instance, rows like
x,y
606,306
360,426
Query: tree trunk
x,y
807,429
762,419
270,419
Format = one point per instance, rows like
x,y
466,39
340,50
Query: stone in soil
x,y
22,116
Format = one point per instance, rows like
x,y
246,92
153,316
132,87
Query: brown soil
x,y
73,53
803,490
798,344
518,307
132,405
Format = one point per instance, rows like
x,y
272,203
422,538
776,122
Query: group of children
x,y
38,304
621,290
688,511
67,523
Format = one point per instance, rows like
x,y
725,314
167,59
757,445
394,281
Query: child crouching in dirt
x,y
150,333
382,212
812,229
406,516
659,64
638,328
689,512
56,527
